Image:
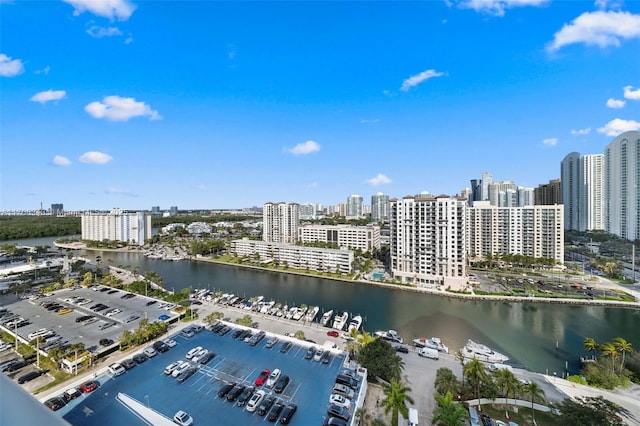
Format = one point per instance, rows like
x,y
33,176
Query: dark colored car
x,y
224,390
275,411
224,330
235,392
128,363
139,358
55,403
151,302
88,387
326,357
285,347
182,377
486,420
15,366
30,376
127,296
337,411
106,342
160,346
287,413
101,308
84,318
343,379
112,291
402,349
310,353
281,384
266,405
208,357
237,333
216,328
334,421
245,395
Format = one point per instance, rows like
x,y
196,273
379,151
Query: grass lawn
x,y
523,417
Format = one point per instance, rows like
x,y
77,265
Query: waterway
x,y
541,337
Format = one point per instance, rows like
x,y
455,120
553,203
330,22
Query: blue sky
x,y
207,104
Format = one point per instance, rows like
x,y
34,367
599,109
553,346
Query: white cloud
x,y
618,125
95,157
550,141
378,180
493,7
120,191
365,121
600,28
45,70
112,9
581,132
615,103
200,186
304,148
629,93
48,95
10,67
59,160
115,108
312,185
419,78
99,32
608,4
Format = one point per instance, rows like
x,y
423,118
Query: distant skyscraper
x,y
622,186
487,179
354,206
548,194
173,211
380,207
307,211
525,196
117,225
280,222
155,211
57,209
582,191
497,193
570,181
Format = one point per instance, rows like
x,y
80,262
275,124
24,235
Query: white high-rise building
x,y
117,225
280,222
347,237
354,206
526,196
582,180
535,231
622,186
379,207
427,240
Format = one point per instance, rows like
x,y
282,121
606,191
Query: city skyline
x,y
229,105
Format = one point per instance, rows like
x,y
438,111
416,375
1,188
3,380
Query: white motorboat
x,y
326,317
355,323
390,335
311,314
431,343
340,320
482,352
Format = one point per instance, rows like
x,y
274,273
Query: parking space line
x,y
250,374
295,392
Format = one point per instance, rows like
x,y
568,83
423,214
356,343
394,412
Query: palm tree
x,y
362,416
590,345
476,372
536,393
622,346
449,412
396,365
364,338
396,397
446,381
608,349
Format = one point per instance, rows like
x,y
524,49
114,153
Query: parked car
x,y
199,355
245,395
235,392
275,411
224,390
343,379
262,377
116,369
169,368
207,357
285,347
150,352
131,318
340,400
343,390
272,342
273,378
139,358
151,302
160,346
334,421
255,401
318,355
310,353
337,411
180,368
70,394
106,325
281,384
88,387
193,352
326,357
30,376
15,366
182,418
265,405
128,363
170,342
184,376
402,349
287,413
333,333
55,403
106,342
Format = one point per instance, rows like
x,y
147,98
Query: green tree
x,y
589,411
448,412
536,393
476,374
213,317
395,401
363,417
299,334
623,347
609,349
590,345
379,358
446,381
245,321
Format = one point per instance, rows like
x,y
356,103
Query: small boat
x,y
390,335
482,352
300,313
431,343
355,323
311,314
340,320
326,317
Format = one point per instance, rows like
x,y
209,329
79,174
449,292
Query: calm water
x,y
527,332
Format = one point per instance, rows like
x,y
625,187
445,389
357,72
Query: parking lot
x,y
310,386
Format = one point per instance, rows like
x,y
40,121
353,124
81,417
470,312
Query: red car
x,y
88,387
333,333
264,375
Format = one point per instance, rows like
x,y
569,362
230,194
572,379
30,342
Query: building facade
x,y
427,240
535,231
117,225
583,191
354,206
365,238
298,257
548,194
622,186
280,222
380,207
570,181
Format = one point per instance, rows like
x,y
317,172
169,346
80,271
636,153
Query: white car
x,y
318,355
255,401
182,367
116,369
150,352
273,378
113,312
193,351
170,342
169,368
197,357
183,419
340,400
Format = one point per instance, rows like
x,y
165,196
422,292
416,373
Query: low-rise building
x,y
365,238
